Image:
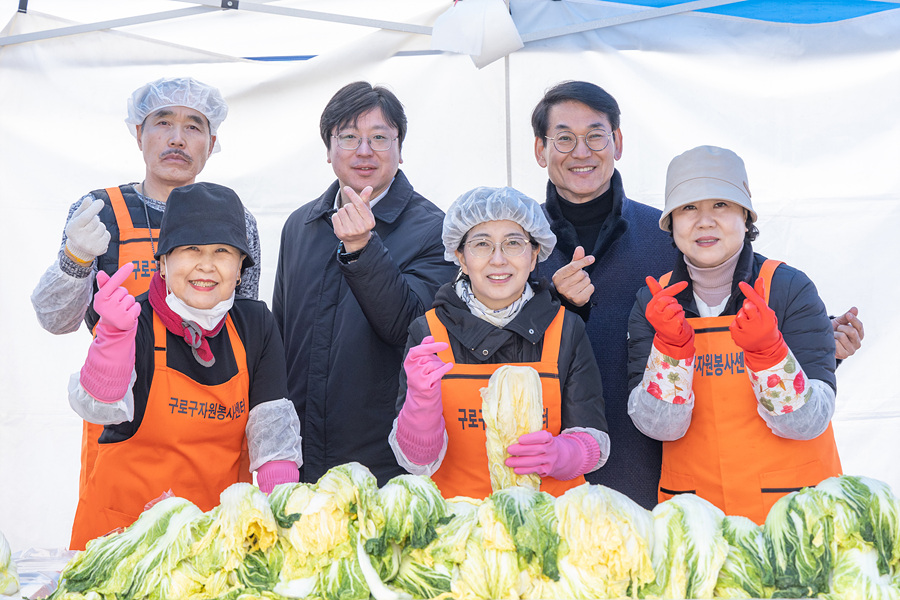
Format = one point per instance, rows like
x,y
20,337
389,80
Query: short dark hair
x,y
589,94
355,99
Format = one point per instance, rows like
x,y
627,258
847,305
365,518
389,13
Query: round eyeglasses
x,y
482,248
595,139
351,141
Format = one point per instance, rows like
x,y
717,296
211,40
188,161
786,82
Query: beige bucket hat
x,y
705,173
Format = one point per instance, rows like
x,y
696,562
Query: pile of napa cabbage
x,y
344,538
9,576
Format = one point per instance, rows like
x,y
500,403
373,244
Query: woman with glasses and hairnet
x,y
494,315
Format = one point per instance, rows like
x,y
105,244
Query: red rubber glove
x,y
674,335
420,425
562,457
106,373
755,329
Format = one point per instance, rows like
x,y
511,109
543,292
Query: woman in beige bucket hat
x,y
731,355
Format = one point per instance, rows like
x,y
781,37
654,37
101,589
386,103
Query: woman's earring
x,y
239,281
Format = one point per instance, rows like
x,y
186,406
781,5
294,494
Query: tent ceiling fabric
x,y
811,108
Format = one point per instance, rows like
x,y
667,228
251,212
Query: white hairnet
x,y
177,91
484,204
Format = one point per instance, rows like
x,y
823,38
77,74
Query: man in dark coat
x,y
356,267
606,245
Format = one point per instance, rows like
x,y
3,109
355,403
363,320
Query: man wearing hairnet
x,y
356,267
606,245
175,122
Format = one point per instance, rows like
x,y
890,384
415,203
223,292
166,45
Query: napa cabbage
x,y
605,543
530,519
747,571
800,532
320,527
243,522
866,515
511,405
490,568
413,508
857,576
108,564
689,548
9,576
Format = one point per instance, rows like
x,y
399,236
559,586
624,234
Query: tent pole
x,y
23,6
508,125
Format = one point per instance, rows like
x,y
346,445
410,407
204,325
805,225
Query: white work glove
x,y
86,235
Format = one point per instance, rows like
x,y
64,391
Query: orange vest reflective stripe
x,y
729,455
464,470
189,441
134,247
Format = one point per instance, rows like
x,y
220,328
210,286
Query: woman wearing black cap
x,y
185,378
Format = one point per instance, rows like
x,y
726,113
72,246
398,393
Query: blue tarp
x,y
804,12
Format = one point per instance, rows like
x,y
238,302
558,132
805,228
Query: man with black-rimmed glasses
x,y
356,267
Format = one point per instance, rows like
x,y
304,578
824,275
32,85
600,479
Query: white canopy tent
x,y
811,107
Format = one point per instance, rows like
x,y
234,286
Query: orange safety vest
x,y
464,470
134,247
189,442
729,455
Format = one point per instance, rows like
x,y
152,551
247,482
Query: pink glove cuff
x,y
420,443
106,373
587,450
274,472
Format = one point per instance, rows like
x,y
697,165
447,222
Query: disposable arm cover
x,y
60,300
667,422
807,422
410,466
101,413
657,419
273,433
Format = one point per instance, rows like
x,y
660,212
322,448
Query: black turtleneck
x,y
588,217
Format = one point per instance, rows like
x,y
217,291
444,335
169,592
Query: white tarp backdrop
x,y
812,109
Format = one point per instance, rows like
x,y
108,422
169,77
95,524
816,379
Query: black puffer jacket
x,y
801,315
475,341
344,325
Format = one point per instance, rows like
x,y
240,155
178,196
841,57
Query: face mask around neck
x,y
207,318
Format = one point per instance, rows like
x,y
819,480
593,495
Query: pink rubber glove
x,y
276,472
755,329
106,373
562,457
420,425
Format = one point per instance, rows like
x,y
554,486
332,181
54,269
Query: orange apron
x,y
189,442
134,247
464,470
729,455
